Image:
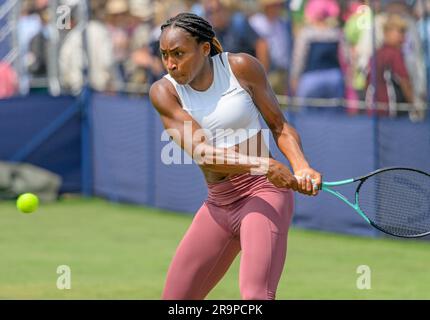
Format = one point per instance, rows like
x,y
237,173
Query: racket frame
x,y
326,186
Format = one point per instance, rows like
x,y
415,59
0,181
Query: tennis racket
x,y
394,200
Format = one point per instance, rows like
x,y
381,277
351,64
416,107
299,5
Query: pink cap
x,y
319,10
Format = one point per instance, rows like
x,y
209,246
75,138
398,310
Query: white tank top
x,y
225,109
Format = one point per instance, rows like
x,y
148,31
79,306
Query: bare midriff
x,y
254,146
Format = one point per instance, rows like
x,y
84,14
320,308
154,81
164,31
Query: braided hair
x,y
198,27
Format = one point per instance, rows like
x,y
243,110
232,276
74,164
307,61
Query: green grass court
x,y
118,251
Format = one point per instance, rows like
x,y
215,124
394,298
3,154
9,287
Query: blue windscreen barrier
x,y
43,131
333,144
127,150
123,145
404,144
179,184
133,162
340,147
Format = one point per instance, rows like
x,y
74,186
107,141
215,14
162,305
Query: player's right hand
x,y
309,181
280,176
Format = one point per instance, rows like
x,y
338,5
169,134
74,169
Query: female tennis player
x,y
250,200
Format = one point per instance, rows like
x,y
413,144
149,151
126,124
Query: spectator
x,y
8,80
38,54
194,6
163,10
412,48
271,26
423,25
316,71
297,8
422,11
116,23
144,65
393,84
234,31
362,26
29,25
358,19
99,58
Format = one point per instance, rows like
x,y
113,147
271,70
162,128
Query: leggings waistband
x,y
234,188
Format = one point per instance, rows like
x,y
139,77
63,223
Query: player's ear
x,y
206,47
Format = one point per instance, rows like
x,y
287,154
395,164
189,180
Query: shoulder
x,y
162,94
242,60
246,68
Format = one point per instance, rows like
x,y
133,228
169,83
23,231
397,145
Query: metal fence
x,y
12,52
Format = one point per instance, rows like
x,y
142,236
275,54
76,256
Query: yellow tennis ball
x,y
27,203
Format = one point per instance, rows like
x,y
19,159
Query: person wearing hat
x,y
99,59
144,64
142,10
316,67
116,7
271,26
117,23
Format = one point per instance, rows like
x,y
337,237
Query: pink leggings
x,y
245,213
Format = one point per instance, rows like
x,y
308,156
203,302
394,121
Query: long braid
x,y
197,27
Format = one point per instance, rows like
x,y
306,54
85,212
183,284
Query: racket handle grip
x,y
314,182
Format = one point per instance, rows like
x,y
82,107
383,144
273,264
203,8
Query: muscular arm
x,y
251,75
188,134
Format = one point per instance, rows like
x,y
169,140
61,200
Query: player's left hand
x,y
308,181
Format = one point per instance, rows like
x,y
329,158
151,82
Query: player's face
x,y
182,56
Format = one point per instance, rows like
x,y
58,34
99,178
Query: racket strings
x,y
397,201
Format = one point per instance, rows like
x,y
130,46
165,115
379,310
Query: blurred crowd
x,y
349,51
